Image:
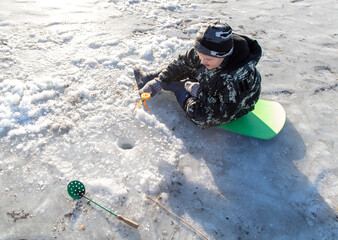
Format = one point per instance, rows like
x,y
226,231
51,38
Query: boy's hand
x,y
152,87
192,87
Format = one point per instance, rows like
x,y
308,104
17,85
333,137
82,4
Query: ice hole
x,y
126,143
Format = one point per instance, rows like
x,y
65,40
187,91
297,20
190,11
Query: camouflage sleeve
x,y
205,109
218,101
233,94
181,68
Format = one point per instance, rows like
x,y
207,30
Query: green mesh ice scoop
x,y
77,190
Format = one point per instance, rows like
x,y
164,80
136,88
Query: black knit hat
x,y
215,40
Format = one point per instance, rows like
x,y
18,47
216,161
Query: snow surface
x,y
66,101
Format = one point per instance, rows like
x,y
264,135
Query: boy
x,y
214,82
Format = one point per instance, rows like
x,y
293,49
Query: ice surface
x,y
66,113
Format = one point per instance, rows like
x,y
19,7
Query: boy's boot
x,y
142,78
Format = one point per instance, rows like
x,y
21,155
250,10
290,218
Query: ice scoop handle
x,y
127,221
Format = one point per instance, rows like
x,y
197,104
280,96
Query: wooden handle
x,y
127,221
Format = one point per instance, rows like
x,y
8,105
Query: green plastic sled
x,y
264,122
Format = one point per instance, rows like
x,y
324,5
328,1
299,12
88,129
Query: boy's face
x,y
210,62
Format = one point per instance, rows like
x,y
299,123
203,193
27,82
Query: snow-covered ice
x,y
66,113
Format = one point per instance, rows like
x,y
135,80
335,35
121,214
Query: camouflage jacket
x,y
226,92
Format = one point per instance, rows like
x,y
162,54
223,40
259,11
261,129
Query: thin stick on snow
x,y
176,216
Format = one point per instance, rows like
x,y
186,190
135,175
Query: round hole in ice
x,y
126,146
126,143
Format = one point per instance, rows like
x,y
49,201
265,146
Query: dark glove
x,y
152,87
192,87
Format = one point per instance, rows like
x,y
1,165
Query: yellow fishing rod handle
x,y
145,96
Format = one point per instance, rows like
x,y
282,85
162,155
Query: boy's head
x,y
215,40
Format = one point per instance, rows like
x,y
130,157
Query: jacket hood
x,y
245,50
